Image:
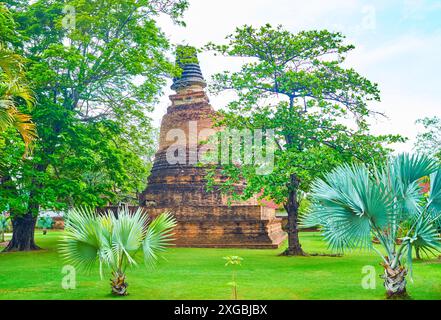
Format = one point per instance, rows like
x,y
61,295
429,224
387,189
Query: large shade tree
x,y
296,85
97,68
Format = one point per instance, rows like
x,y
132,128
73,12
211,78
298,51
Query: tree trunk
x,y
292,209
395,282
22,234
119,284
23,226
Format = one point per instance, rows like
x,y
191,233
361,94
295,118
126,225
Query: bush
x,y
45,222
114,240
4,226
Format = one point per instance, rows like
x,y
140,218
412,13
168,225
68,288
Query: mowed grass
x,y
189,273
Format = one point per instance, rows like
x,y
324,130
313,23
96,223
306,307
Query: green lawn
x,y
201,274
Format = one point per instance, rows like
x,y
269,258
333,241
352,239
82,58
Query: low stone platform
x,y
228,230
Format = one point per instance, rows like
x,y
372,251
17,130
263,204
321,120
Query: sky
x,y
398,46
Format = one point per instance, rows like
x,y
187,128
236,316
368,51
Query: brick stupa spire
x,y
187,60
205,219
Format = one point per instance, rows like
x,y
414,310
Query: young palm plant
x,y
233,261
355,204
114,240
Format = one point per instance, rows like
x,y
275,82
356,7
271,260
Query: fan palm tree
x,y
354,205
13,86
113,241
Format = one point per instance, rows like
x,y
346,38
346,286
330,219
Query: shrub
x,y
114,240
45,222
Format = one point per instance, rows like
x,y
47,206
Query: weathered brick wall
x,y
204,218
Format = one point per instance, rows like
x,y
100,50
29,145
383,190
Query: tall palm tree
x,y
114,240
354,205
13,86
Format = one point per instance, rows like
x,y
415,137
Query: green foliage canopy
x,y
296,85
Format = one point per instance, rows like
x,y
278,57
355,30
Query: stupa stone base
x,y
222,227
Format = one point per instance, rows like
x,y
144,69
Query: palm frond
x,y
347,203
434,200
6,116
11,63
158,237
411,167
128,233
426,236
81,242
24,125
106,254
14,86
111,240
401,178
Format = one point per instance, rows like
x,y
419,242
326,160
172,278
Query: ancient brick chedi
x,y
205,219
